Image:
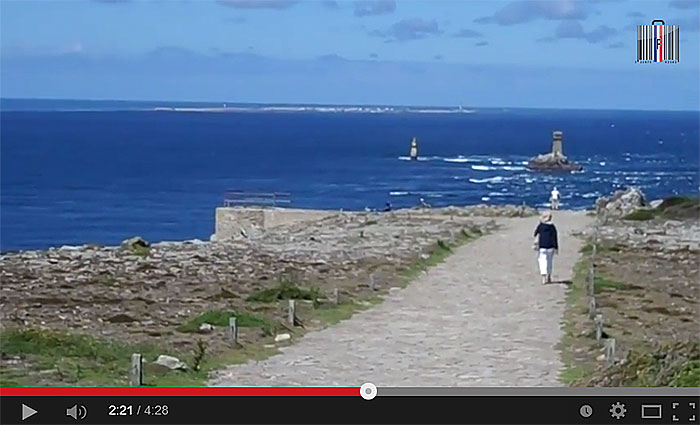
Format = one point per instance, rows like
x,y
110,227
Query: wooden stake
x,y
598,327
232,330
591,308
610,350
136,370
291,313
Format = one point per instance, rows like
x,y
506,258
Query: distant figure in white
x,y
554,198
546,245
424,204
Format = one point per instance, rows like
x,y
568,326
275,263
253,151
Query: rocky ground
x,y
158,294
647,289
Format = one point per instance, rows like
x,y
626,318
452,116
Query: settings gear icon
x,y
617,410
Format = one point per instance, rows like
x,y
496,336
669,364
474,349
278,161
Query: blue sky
x,y
532,53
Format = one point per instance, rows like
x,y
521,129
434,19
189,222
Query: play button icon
x,y
27,412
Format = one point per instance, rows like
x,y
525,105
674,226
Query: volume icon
x,y
77,412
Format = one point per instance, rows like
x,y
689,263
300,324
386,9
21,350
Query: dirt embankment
x,y
647,290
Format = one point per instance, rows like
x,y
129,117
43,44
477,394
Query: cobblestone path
x,y
481,318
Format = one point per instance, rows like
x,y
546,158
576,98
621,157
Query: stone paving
x,y
481,318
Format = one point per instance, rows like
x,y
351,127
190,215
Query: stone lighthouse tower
x,y
555,160
557,148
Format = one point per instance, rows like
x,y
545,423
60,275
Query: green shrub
x,y
285,290
640,215
220,318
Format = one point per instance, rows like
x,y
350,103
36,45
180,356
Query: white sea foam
x,y
485,198
483,168
513,168
497,179
460,159
398,193
420,158
501,194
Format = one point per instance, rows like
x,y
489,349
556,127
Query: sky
x,y
525,53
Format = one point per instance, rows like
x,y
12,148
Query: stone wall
x,y
249,222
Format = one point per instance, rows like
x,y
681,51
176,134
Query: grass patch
x,y
673,208
438,253
285,290
600,283
64,359
575,367
331,314
688,375
668,365
220,318
74,359
141,251
640,215
572,373
675,201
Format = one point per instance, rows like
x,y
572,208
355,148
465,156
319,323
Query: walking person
x,y
554,198
547,245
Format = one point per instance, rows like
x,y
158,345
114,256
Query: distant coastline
x,y
322,109
87,105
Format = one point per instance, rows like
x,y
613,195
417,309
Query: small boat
x,y
414,149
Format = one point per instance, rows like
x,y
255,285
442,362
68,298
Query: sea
x,y
75,172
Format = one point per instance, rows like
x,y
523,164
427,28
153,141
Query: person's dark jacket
x,y
547,236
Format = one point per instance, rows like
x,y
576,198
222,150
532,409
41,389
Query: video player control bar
x,y
366,404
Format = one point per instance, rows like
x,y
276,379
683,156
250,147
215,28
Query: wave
x,y
497,179
500,194
398,193
421,158
483,168
513,168
460,159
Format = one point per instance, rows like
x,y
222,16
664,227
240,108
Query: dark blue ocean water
x,y
99,176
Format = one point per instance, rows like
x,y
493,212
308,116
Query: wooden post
x,y
336,296
598,327
610,350
291,313
371,282
592,308
136,370
233,330
590,282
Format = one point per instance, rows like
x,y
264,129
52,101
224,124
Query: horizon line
x,y
315,104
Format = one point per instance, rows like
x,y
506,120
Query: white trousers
x,y
544,259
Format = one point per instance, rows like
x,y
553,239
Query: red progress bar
x,y
178,391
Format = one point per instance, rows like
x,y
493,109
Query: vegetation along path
x,y
482,317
